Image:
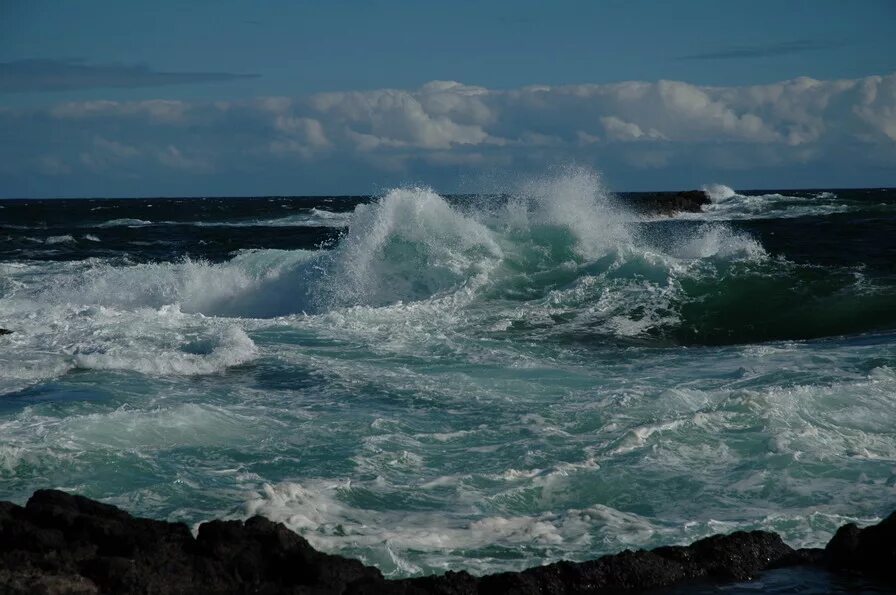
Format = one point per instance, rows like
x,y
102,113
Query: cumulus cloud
x,y
443,124
617,129
435,117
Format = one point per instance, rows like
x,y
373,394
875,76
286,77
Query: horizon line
x,y
374,195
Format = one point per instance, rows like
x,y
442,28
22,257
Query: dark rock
x,y
4,331
59,543
738,556
670,203
870,551
802,557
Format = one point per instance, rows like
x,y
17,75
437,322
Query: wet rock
x,y
671,203
4,331
60,543
802,557
870,551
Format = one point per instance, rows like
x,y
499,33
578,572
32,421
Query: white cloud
x,y
304,136
433,118
450,124
617,129
877,105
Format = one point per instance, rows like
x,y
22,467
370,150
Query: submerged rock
x,y
60,543
670,203
4,331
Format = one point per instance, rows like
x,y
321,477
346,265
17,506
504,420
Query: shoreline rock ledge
x,y
61,543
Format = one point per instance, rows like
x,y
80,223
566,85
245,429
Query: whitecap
x,y
124,223
65,239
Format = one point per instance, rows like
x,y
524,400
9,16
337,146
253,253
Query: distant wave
x,y
123,223
52,240
727,204
314,218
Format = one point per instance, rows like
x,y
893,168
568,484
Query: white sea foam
x,y
254,283
719,192
318,510
65,239
96,316
206,354
312,218
718,241
728,204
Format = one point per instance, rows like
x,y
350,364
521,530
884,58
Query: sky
x,y
203,98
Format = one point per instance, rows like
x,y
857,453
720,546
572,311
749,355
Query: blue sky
x,y
121,99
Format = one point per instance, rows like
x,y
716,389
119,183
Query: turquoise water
x,y
484,383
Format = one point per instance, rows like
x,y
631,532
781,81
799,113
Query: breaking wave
x,y
559,259
728,204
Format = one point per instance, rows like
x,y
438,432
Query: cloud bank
x,y
666,133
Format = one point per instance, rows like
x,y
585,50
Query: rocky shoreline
x,y
61,543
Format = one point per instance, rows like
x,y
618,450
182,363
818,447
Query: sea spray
x,y
408,245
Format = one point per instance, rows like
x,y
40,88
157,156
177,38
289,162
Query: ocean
x,y
479,382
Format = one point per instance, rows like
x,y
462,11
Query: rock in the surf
x,y
670,203
870,551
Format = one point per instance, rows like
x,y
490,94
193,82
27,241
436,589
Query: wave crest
x,y
558,260
408,245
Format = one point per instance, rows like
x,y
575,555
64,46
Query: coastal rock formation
x,y
870,551
670,203
60,543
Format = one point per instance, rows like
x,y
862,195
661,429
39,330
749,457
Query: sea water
x,y
470,382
